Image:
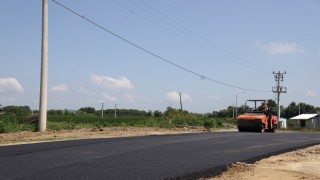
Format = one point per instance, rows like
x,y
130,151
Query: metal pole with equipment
x,y
279,89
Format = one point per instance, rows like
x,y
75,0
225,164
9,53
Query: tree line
x,y
17,110
293,109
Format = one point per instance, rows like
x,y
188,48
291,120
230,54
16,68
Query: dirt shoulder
x,y
299,164
35,137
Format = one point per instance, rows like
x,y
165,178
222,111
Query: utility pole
x,y
232,111
44,69
102,110
32,110
180,101
115,111
237,103
279,89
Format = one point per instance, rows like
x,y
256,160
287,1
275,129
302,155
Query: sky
x,y
215,53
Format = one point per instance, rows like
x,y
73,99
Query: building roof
x,y
304,116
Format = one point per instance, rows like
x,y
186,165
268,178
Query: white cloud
x,y
108,98
8,85
7,99
214,97
310,93
82,90
61,88
111,83
175,97
281,48
129,97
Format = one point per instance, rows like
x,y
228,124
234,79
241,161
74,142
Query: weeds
x,y
10,123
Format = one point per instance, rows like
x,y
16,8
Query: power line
x,y
145,18
200,40
189,32
153,54
184,32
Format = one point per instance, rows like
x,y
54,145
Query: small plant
x,y
172,118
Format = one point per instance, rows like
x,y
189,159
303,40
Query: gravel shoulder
x,y
299,164
26,137
295,165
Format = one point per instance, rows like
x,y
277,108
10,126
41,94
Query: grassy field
x,y
12,123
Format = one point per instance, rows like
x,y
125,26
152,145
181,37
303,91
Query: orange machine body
x,y
255,120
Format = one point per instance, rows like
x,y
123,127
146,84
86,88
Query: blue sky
x,y
239,43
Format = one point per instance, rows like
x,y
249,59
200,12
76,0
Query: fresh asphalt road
x,y
186,156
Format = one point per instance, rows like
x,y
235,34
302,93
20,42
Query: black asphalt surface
x,y
187,156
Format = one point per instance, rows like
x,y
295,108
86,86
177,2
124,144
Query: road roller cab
x,y
256,118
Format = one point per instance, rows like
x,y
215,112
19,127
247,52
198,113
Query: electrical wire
x,y
184,32
153,54
202,41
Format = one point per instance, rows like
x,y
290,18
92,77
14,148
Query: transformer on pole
x,y
279,89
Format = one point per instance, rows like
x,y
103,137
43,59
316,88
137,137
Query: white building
x,y
310,121
283,123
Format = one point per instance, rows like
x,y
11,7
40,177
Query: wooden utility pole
x,y
44,69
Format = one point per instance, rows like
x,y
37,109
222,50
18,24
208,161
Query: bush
x,y
170,119
58,126
209,123
10,127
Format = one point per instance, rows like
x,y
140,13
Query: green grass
x,y
10,124
80,122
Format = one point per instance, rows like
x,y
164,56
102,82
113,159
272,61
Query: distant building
x,y
283,123
310,121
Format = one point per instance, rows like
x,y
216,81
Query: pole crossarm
x,y
279,89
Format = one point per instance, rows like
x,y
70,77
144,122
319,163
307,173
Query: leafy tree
x,y
157,113
272,104
124,113
293,109
150,114
172,112
222,113
89,110
306,108
230,111
67,112
17,110
242,109
55,112
214,114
